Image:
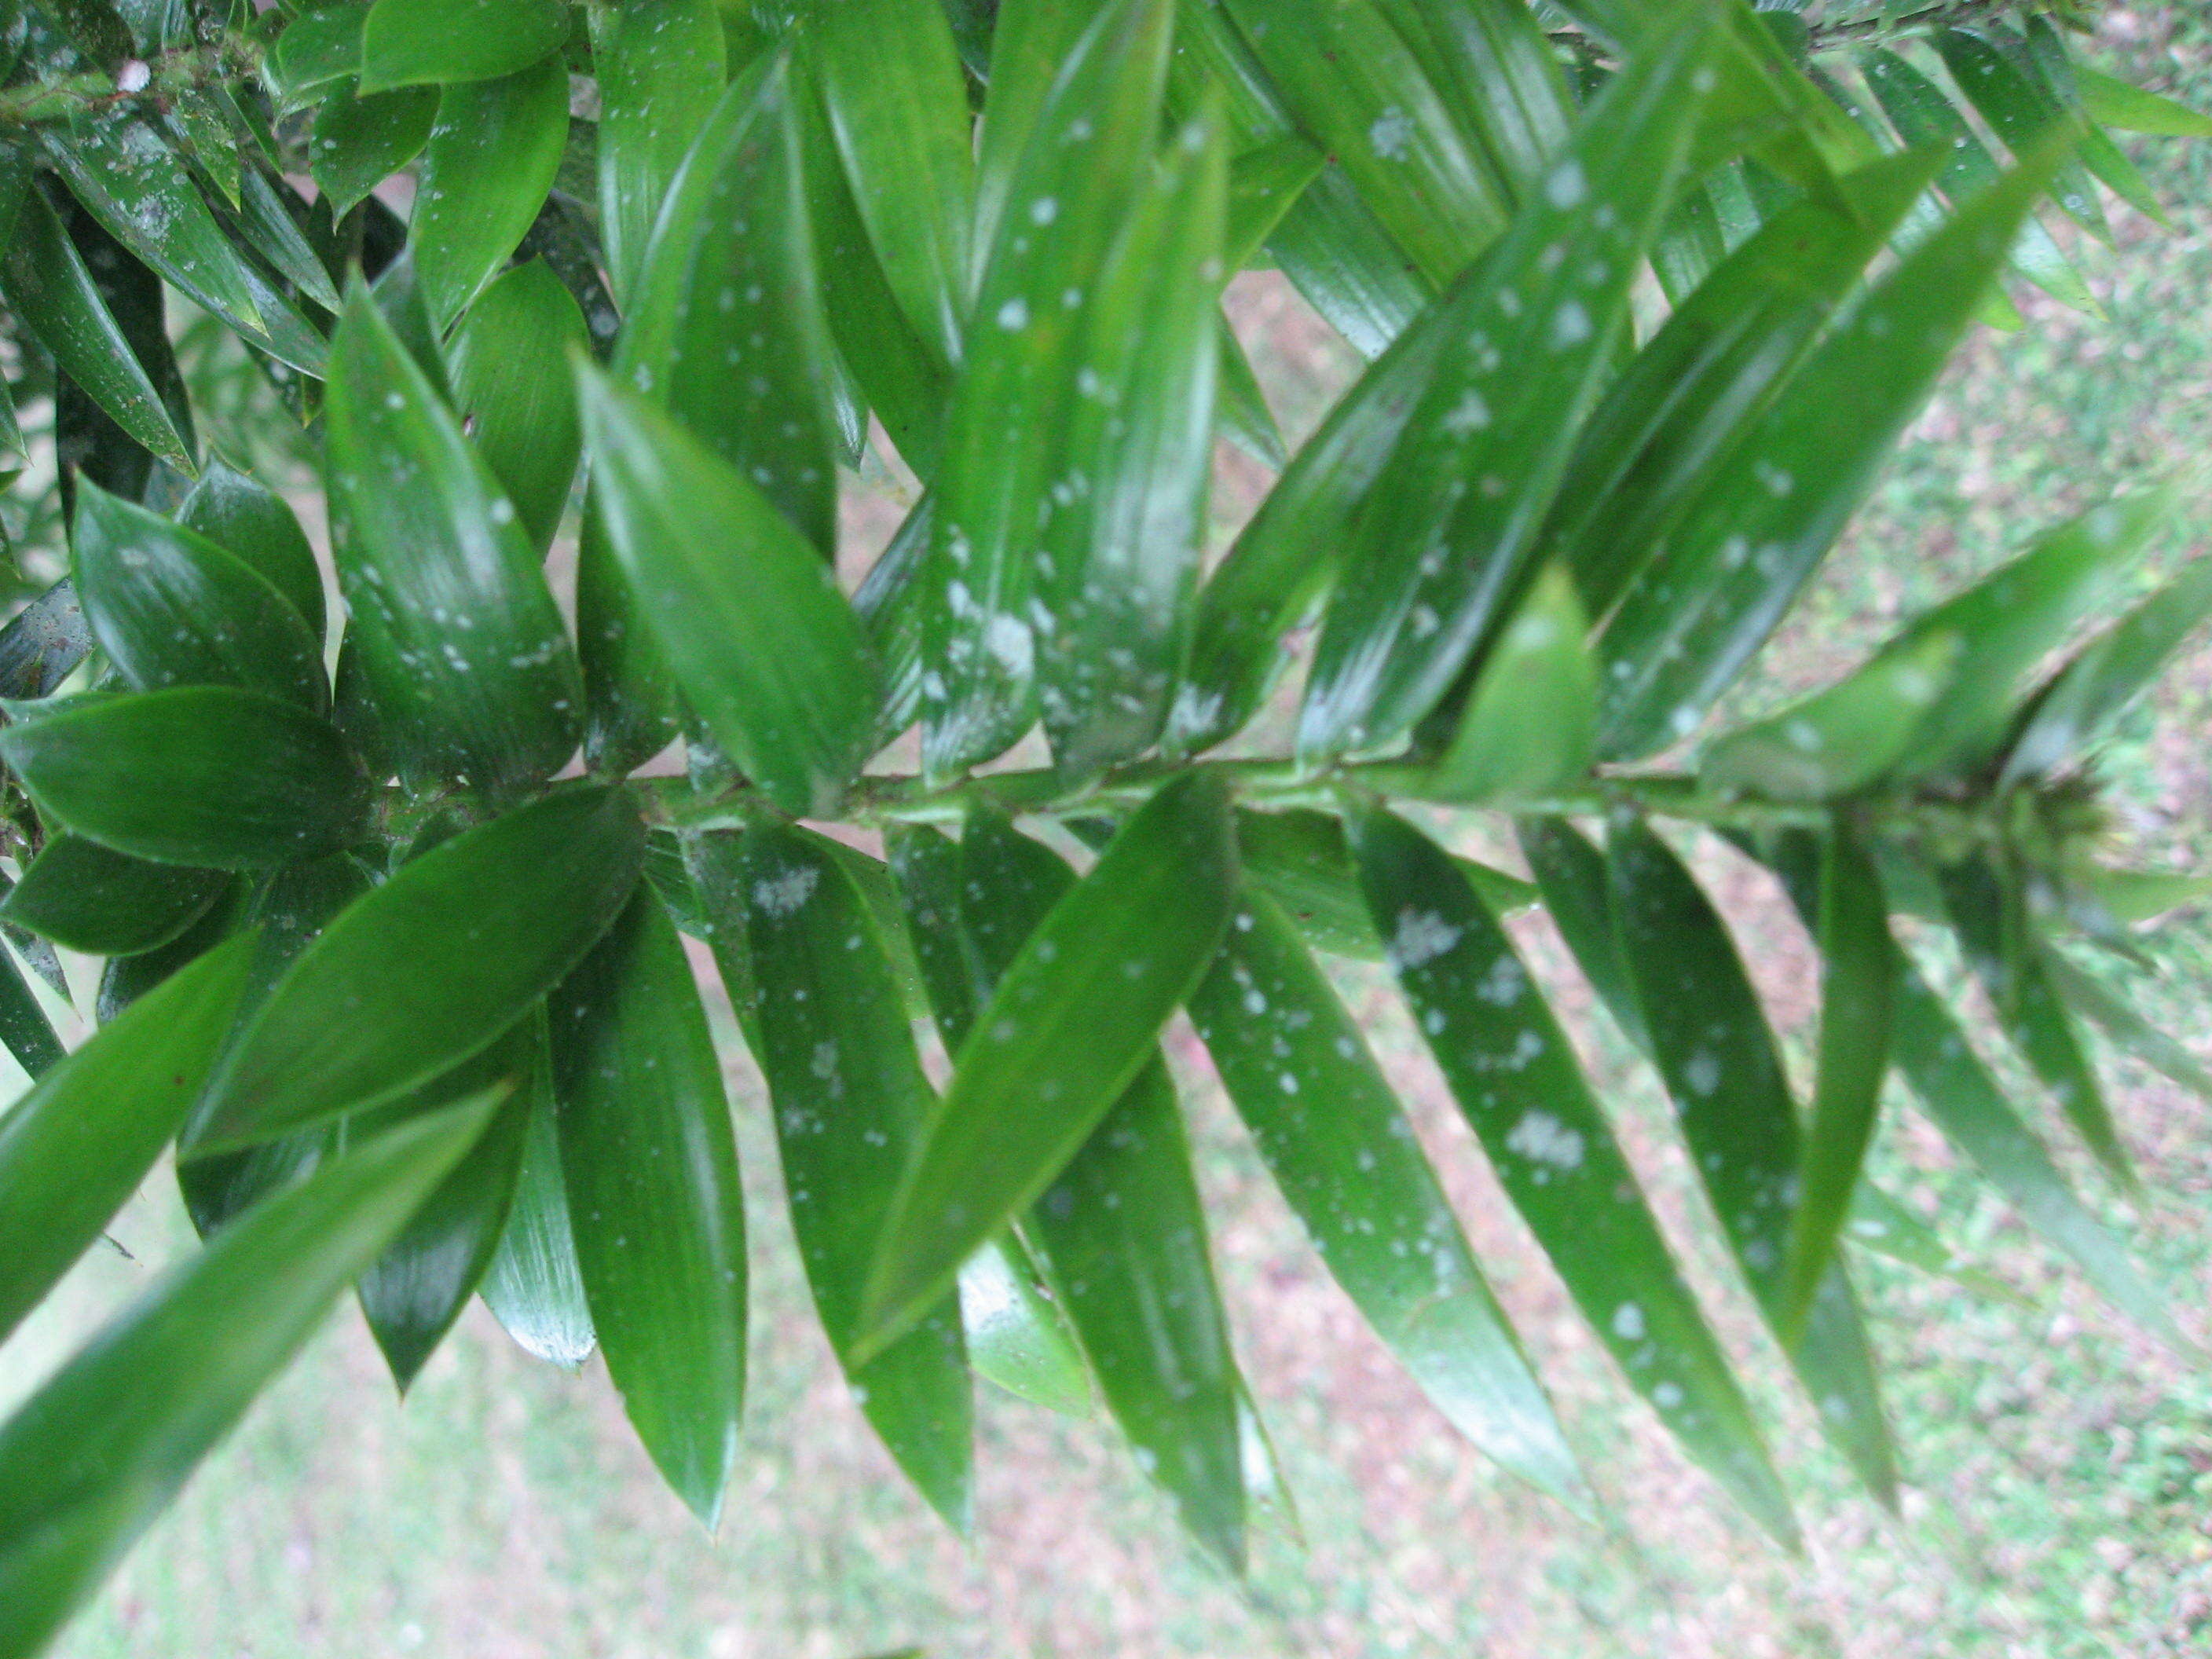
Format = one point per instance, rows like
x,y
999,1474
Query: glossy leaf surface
x,y
407,42
660,68
252,524
490,159
84,896
512,383
425,971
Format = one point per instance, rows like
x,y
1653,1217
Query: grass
x,y
2061,1465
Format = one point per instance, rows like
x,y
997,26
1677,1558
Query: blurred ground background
x,y
2061,1502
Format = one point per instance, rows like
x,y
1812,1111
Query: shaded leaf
x,y
486,169
360,140
659,65
86,897
204,775
511,380
253,523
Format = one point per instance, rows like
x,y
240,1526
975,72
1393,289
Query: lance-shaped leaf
x,y
1363,92
1925,118
1720,358
413,1293
25,1031
75,1148
205,776
252,524
753,627
84,896
490,160
458,637
1073,1019
2022,113
1711,1045
1084,162
2135,109
120,167
1514,1075
270,216
726,330
850,1099
1964,1101
416,976
2106,676
1570,873
90,1460
407,42
1121,1231
629,696
2049,64
1340,1147
891,83
1120,560
1287,557
2129,1030
1694,614
1857,971
42,644
1500,76
534,1286
1030,42
1530,722
659,65
1839,740
360,140
511,380
47,285
650,1165
1990,911
1441,551
169,607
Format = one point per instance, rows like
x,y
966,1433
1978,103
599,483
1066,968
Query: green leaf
x,y
409,42
1924,116
630,698
1838,741
170,607
769,651
86,897
1265,182
1442,551
2023,114
317,50
1711,1045
1016,1336
1031,42
659,63
651,1164
1965,1103
75,1148
533,1286
891,83
124,172
1125,1233
1287,557
2104,679
459,640
1722,356
2092,998
1338,1146
1989,910
1298,858
1694,614
420,973
1883,1227
490,162
1242,414
2134,109
47,285
413,1293
1858,969
1570,873
1530,722
850,1099
726,330
1514,1075
89,1461
2134,896
511,378
253,523
1119,563
1362,93
1084,163
1073,1019
205,776
361,139
2049,64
